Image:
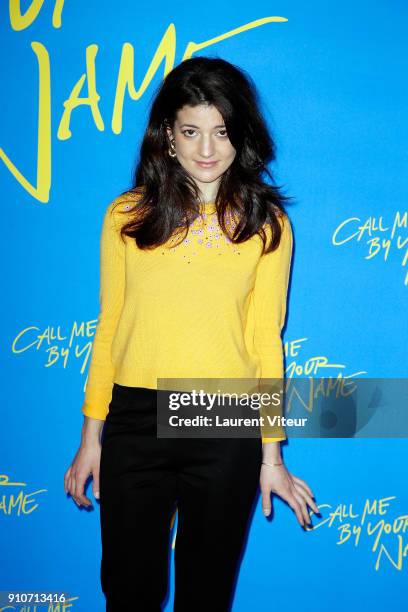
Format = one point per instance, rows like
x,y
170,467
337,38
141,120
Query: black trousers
x,y
213,483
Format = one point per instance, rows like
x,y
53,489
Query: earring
x,y
172,150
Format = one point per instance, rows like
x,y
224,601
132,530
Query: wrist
x,y
91,431
271,452
276,463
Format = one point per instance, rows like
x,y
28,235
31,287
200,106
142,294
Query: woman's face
x,y
200,136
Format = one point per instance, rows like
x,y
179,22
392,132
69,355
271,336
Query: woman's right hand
x,y
86,462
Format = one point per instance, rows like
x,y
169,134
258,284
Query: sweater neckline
x,y
209,206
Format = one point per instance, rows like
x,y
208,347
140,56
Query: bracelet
x,y
271,464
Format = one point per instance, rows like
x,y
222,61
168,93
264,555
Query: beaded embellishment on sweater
x,y
205,232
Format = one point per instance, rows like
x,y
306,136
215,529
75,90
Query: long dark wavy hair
x,y
168,199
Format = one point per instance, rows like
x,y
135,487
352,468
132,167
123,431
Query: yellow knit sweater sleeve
x,y
99,384
270,299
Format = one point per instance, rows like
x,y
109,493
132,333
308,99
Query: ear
x,y
168,129
169,133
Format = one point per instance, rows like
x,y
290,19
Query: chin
x,y
207,179
208,175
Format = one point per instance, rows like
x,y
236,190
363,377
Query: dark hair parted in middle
x,y
168,198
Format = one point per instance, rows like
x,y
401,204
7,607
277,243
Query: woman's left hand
x,y
295,491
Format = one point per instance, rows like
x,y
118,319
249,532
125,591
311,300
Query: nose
x,y
206,147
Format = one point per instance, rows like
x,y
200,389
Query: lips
x,y
206,164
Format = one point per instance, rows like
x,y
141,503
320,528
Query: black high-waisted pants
x,y
213,483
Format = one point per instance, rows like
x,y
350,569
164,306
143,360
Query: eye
x,y
188,130
224,134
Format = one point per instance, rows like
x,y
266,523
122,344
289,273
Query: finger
x,y
305,490
72,487
95,485
79,491
303,484
75,490
66,479
294,504
315,508
69,484
266,502
308,499
303,507
313,505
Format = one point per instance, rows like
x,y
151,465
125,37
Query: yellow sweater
x,y
204,309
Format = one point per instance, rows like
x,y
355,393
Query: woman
x,y
195,265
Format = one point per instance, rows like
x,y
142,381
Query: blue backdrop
x,y
77,80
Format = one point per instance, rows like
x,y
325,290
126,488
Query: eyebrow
x,y
197,127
